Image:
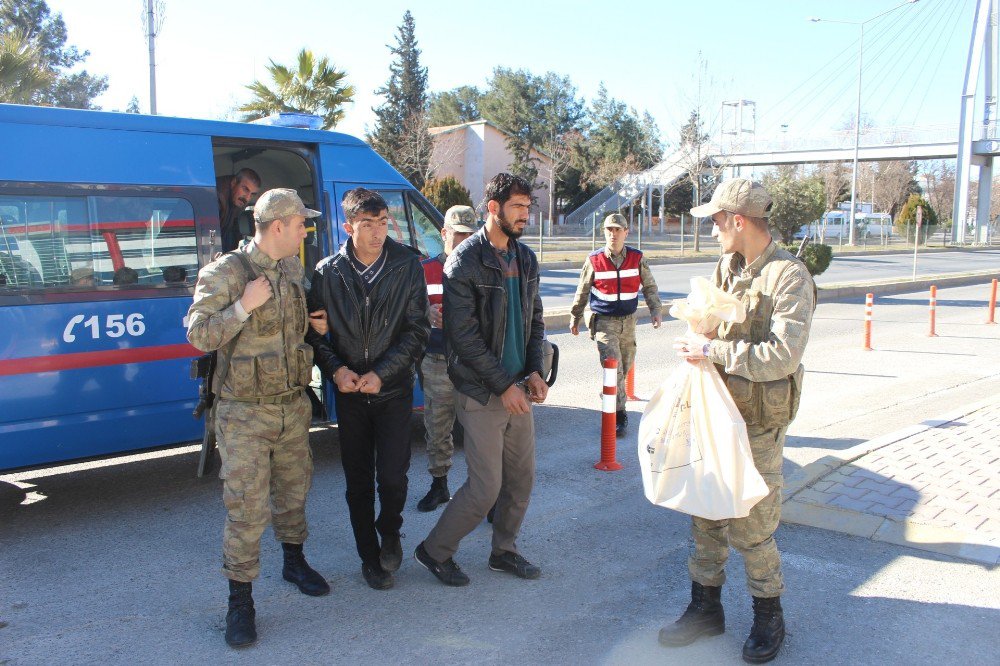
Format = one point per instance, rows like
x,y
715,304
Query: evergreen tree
x,y
133,105
534,110
400,133
454,107
445,193
797,201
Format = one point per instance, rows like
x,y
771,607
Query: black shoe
x,y
392,553
621,423
436,496
241,629
704,617
376,577
515,564
767,633
447,572
491,513
298,572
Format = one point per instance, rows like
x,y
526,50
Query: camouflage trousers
x,y
753,536
267,470
615,337
439,413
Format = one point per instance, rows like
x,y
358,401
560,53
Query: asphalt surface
x,y
674,279
119,563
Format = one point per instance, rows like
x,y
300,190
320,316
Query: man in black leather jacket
x,y
493,330
375,298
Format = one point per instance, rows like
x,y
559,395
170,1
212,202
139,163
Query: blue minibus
x,y
105,220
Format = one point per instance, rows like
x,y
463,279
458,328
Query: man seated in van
x,y
234,193
83,277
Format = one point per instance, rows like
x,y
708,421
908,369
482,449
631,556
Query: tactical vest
x,y
771,404
615,292
269,361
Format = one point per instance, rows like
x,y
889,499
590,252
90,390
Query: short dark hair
x,y
174,274
359,200
248,174
125,275
504,185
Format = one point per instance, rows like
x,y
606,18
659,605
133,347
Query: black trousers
x,y
374,447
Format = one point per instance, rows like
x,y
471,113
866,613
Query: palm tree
x,y
313,87
22,75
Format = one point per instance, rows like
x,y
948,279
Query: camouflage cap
x,y
616,220
280,202
741,196
461,219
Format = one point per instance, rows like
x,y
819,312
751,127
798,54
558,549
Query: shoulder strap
x,y
248,268
222,360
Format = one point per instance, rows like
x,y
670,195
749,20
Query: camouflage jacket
x,y
760,359
260,354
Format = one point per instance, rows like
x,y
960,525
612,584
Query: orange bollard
x,y
993,302
608,409
630,383
932,334
869,301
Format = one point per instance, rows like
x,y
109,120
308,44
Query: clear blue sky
x,y
799,73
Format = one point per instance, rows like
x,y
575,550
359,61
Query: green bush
x,y
816,257
445,193
908,215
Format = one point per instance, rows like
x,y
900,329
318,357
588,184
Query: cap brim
x,y
309,212
705,210
462,228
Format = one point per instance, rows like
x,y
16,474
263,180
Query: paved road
x,y
119,564
559,285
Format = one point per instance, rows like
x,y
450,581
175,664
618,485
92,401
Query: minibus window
x,y
429,242
147,241
42,241
399,227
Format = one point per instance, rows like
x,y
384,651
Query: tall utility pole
x,y
857,117
151,36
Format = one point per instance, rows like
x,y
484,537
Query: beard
x,y
508,228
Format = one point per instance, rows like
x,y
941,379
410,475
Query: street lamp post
x,y
857,117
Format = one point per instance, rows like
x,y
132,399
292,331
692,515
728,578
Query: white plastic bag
x,y
694,451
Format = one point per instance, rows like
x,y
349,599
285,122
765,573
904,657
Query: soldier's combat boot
x,y
241,629
621,423
704,617
298,572
436,496
767,633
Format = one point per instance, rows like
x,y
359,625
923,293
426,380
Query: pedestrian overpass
x,y
969,143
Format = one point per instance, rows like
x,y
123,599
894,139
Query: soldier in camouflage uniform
x,y
460,222
759,360
610,280
250,305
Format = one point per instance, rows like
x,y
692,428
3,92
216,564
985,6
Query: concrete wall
x,y
473,154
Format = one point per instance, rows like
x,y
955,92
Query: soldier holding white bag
x,y
759,360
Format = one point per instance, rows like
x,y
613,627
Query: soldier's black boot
x,y
704,617
767,633
621,423
436,496
298,571
241,629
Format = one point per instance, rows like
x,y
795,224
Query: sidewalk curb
x,y
846,290
980,548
